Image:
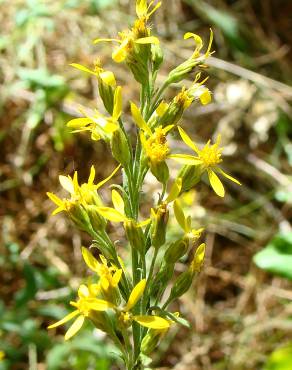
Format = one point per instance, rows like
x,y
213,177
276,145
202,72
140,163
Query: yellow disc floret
x,y
156,146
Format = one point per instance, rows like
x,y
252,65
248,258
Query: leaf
x,y
276,257
280,359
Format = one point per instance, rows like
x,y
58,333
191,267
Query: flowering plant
x,y
127,299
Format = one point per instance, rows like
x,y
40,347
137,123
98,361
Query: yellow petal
x,y
120,54
162,108
179,215
64,320
139,120
67,183
99,304
96,41
91,175
205,97
186,159
144,223
216,183
111,214
148,40
77,123
188,141
82,68
89,259
118,102
174,190
118,202
141,8
152,322
75,327
58,210
83,291
108,178
228,176
135,295
55,199
108,77
117,277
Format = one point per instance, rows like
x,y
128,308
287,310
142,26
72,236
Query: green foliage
x,y
276,257
280,359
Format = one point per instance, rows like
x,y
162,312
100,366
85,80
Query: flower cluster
x,y
128,299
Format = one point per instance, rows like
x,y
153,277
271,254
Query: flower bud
x,y
157,57
181,72
176,250
158,225
120,147
182,284
162,278
160,171
134,235
190,176
106,93
151,340
97,221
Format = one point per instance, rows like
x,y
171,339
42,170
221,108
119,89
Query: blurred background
x,y
241,305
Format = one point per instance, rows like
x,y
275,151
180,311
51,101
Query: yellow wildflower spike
x,y
135,295
68,317
111,214
89,259
75,327
152,322
216,183
139,120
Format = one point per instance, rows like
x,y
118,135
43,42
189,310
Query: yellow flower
x,y
117,214
101,127
80,194
208,158
129,39
186,222
106,76
143,9
155,144
84,306
199,45
148,321
199,91
2,355
109,276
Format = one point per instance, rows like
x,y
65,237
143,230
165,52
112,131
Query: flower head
x,y
129,39
199,45
106,76
98,125
85,304
80,194
208,158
